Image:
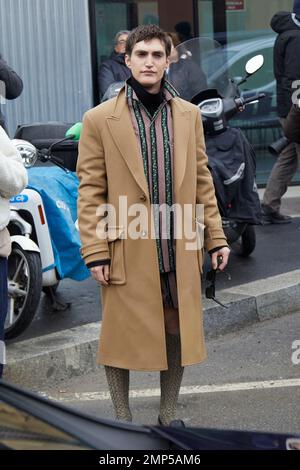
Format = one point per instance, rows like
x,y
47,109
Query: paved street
x,y
248,382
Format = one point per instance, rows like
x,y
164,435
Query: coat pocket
x,y
115,239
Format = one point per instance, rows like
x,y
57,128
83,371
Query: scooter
x,y
231,159
43,232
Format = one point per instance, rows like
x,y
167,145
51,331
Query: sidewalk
x,y
71,352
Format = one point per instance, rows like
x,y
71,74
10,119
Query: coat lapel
x,y
181,127
122,132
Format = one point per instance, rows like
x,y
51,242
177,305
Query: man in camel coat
x,y
142,150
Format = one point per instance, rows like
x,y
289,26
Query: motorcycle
x,y
45,239
231,159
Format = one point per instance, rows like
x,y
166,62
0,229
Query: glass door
x,y
113,16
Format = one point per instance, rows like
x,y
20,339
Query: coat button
x,y
143,197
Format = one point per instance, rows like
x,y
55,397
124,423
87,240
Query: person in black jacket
x,y
114,69
287,71
11,86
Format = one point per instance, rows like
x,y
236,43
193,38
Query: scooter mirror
x,y
254,64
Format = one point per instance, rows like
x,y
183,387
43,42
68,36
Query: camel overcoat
x,y
109,166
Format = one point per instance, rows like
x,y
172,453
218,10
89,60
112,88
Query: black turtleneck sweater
x,y
149,100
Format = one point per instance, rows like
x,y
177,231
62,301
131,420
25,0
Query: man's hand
x,y
101,274
224,253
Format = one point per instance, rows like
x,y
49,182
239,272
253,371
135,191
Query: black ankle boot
x,y
274,217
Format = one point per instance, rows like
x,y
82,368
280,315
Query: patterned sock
x,y
170,380
118,384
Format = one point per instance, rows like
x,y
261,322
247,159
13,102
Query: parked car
x,y
31,422
238,53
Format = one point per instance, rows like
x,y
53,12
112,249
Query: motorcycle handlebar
x,y
233,106
46,155
259,96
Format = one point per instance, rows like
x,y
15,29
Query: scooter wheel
x,y
25,287
245,245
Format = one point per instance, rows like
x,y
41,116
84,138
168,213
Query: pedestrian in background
x,y
13,179
147,145
286,71
114,69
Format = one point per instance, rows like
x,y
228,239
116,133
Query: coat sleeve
x,y
91,171
13,175
291,126
213,233
11,80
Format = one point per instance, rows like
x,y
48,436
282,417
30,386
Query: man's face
x,y
148,62
120,46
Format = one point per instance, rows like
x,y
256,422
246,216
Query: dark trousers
x,y
281,175
3,304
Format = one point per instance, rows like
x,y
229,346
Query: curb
x,y
255,301
42,361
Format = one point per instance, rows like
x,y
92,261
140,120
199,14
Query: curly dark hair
x,y
146,33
